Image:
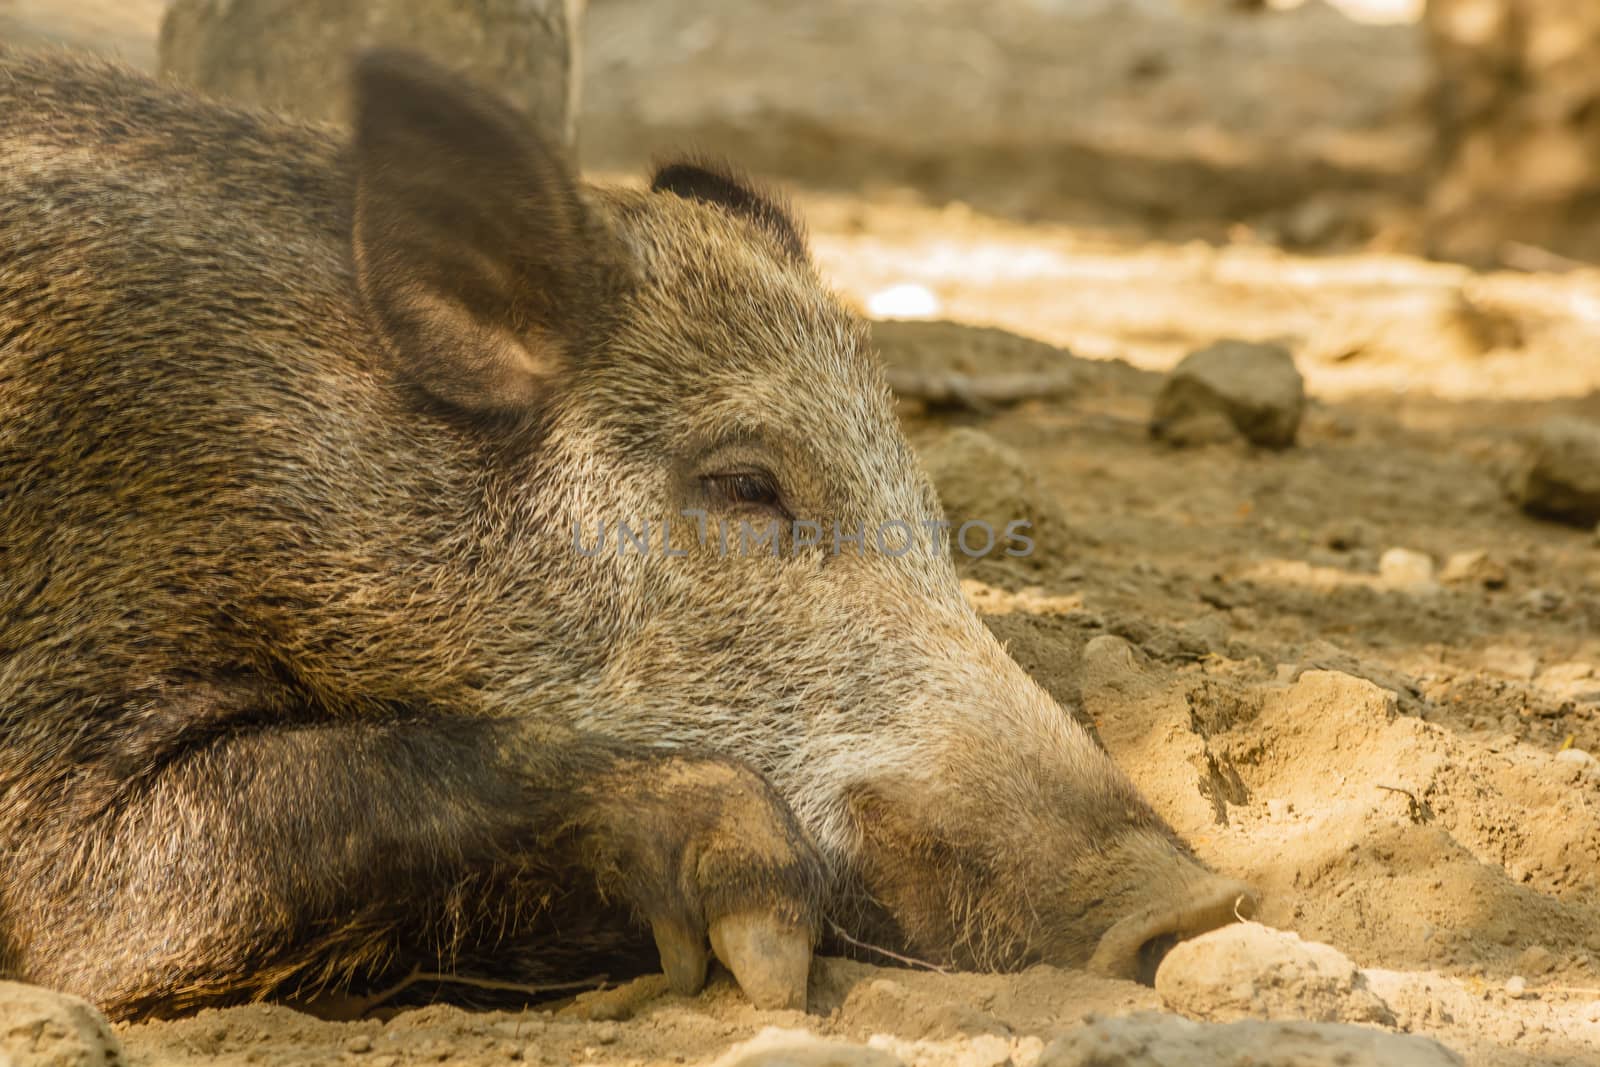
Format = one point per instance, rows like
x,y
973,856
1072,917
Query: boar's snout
x,y
1136,944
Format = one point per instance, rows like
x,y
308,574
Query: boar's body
x,y
304,681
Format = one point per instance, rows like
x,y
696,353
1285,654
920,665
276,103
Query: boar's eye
x,y
756,489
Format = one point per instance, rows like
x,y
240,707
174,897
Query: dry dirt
x,y
1104,187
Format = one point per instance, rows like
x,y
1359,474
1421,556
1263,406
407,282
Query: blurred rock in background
x,y
294,55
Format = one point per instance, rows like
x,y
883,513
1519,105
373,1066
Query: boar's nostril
x,y
1135,946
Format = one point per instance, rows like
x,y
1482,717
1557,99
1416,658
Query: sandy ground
x,y
1126,182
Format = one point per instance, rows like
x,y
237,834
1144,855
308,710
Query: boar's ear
x,y
716,183
474,250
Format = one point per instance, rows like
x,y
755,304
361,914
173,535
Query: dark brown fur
x,y
302,682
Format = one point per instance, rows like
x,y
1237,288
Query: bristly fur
x,y
304,682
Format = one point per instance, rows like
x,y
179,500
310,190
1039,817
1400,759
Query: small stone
x,y
42,1028
1542,601
985,1050
1401,568
1561,475
1516,986
607,1033
1255,387
1536,959
1153,1039
778,1047
1250,971
358,1044
1576,757
1473,568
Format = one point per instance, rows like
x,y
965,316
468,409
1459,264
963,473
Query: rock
x,y
777,1047
41,1028
1403,569
1560,478
1542,601
1156,1040
295,57
1536,959
1473,568
985,1050
1250,971
1516,986
1255,387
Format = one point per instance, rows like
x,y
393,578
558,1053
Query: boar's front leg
x,y
263,860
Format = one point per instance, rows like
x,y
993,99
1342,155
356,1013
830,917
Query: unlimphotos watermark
x,y
892,537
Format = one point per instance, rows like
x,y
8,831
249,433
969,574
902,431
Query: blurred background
x,y
1468,130
1123,177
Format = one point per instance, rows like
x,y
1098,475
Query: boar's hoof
x,y
683,956
1135,946
770,958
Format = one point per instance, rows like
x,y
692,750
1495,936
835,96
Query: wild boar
x,y
309,674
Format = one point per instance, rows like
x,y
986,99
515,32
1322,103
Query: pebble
x,y
1254,388
985,1050
1577,757
778,1047
1474,568
1401,568
1153,1039
1516,986
1542,601
1561,473
49,1029
1536,959
1250,971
